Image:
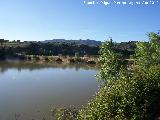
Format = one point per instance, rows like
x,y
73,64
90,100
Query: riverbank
x,y
59,59
90,60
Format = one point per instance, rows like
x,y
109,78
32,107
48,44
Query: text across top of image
x,y
118,2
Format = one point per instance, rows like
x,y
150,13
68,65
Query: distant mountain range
x,y
79,42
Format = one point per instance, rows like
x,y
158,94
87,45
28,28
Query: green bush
x,y
129,98
112,63
148,53
127,93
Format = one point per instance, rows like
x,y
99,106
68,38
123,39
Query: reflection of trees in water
x,y
4,66
2,70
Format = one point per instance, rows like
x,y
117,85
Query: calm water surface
x,y
29,90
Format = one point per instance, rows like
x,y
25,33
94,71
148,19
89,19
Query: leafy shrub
x,y
148,53
129,98
112,63
128,93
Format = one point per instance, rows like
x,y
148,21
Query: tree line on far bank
x,y
126,49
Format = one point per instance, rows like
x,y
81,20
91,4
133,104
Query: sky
x,y
37,20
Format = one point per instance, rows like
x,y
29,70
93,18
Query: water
x,y
29,90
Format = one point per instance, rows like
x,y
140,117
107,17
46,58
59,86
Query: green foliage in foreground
x,y
134,93
112,63
148,53
128,93
129,98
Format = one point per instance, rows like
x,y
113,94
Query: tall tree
x,y
148,53
111,62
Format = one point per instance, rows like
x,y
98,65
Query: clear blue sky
x,y
72,19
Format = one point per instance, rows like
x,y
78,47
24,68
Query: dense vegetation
x,y
127,92
56,48
61,48
48,49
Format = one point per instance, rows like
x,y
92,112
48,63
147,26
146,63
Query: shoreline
x,y
93,60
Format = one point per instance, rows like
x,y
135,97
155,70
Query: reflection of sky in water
x,y
26,91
